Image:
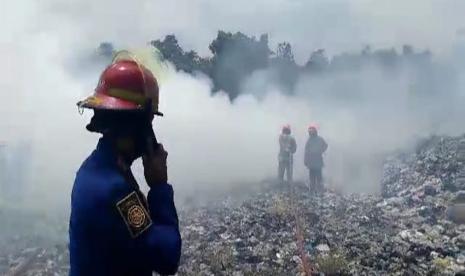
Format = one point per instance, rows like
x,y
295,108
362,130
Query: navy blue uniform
x,y
100,239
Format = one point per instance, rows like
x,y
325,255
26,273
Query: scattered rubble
x,y
409,230
32,244
415,227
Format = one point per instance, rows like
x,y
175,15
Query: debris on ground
x,y
415,227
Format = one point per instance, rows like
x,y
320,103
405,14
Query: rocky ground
x,y
412,229
32,243
416,227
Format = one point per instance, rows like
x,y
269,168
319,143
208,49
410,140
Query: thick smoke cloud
x,y
212,142
336,25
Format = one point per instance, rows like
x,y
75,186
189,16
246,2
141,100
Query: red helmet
x,y
286,129
313,127
124,85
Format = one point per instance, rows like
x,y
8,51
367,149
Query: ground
x,y
412,228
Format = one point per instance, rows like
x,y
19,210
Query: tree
x,y
318,62
388,58
188,62
169,48
235,57
105,49
284,52
285,70
407,50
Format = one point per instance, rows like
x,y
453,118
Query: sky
x,y
336,25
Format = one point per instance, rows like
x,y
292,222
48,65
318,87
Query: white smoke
x,y
211,142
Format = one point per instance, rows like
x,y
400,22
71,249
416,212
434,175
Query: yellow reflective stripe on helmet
x,y
127,95
131,96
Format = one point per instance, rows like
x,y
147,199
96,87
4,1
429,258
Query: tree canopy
x,y
235,56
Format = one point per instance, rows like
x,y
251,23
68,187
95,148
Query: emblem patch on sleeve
x,y
134,214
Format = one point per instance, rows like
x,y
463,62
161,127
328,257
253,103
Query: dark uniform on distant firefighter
x,y
313,158
287,148
114,229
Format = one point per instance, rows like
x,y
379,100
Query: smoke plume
x,y
212,142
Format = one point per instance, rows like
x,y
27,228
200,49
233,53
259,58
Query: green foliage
x,y
106,49
185,61
317,62
285,70
235,56
284,52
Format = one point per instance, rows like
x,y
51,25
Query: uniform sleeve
x,y
293,145
160,245
324,145
306,154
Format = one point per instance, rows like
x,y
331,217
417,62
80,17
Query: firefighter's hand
x,y
155,169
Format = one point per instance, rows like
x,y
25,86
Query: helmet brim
x,y
105,102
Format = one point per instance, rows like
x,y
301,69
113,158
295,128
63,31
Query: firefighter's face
x,y
131,144
126,146
312,132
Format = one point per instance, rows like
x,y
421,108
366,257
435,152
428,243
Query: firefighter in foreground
x,y
114,228
287,148
313,158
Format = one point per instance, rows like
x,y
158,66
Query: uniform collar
x,y
105,152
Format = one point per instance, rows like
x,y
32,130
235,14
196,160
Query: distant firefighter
x,y
313,158
287,148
